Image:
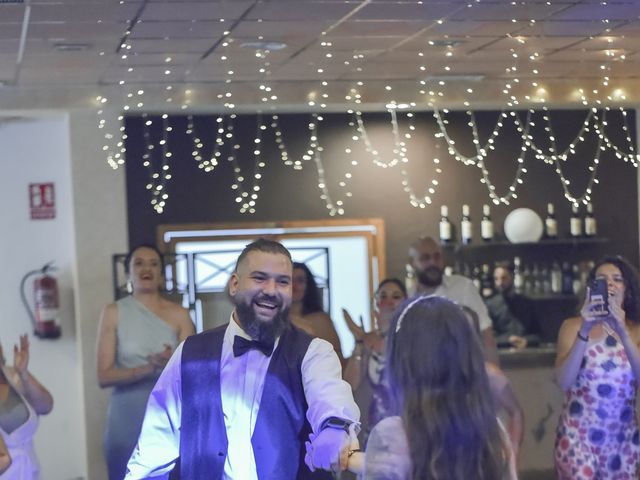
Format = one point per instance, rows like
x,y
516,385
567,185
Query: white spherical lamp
x,y
523,225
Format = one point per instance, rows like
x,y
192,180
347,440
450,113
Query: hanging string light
x,y
246,197
282,147
520,171
333,208
208,165
629,156
553,154
158,178
451,144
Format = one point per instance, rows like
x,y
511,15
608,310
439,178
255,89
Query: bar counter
x,y
532,375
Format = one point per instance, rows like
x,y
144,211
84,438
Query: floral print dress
x,y
597,436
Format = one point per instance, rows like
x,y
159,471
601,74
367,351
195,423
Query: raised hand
x,y
357,330
589,314
21,355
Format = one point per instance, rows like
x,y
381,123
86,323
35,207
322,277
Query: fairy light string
x,y
248,181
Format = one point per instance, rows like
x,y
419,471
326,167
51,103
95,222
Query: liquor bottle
x,y
486,281
486,225
567,278
590,225
528,280
575,223
545,273
550,223
445,226
518,277
577,283
536,279
556,278
466,227
476,277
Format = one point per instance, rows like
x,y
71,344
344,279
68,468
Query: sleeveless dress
x,y
140,333
597,436
24,464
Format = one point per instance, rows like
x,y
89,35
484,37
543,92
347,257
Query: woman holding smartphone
x,y
597,366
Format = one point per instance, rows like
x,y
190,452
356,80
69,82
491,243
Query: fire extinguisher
x,y
46,300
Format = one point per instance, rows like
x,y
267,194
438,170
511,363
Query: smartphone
x,y
599,296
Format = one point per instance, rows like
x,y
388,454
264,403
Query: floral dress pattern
x,y
597,436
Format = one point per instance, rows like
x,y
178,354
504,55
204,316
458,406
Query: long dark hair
x,y
631,301
440,388
311,301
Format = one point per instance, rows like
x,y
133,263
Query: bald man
x,y
427,261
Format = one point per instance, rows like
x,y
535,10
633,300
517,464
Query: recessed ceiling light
x,y
264,45
72,47
455,78
399,106
445,42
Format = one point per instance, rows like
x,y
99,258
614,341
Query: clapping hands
x,y
160,359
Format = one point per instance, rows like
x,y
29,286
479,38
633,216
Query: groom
x,y
239,401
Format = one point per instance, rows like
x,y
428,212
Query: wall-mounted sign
x,y
42,201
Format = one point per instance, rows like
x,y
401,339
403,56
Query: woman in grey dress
x,y
136,337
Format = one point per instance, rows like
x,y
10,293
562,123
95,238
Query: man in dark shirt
x,y
512,314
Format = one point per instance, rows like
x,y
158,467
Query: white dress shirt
x,y
242,380
462,290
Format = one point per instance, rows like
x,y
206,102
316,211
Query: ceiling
x,y
173,54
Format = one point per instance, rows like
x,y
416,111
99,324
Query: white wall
x,y
31,151
100,231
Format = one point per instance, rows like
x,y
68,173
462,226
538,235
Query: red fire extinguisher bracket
x,y
46,302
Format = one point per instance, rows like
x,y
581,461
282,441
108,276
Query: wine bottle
x,y
575,224
486,225
466,226
445,225
590,224
550,223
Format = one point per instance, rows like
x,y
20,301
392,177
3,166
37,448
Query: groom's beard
x,y
261,330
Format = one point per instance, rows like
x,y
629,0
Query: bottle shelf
x,y
553,297
556,242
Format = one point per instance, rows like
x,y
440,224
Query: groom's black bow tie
x,y
242,345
